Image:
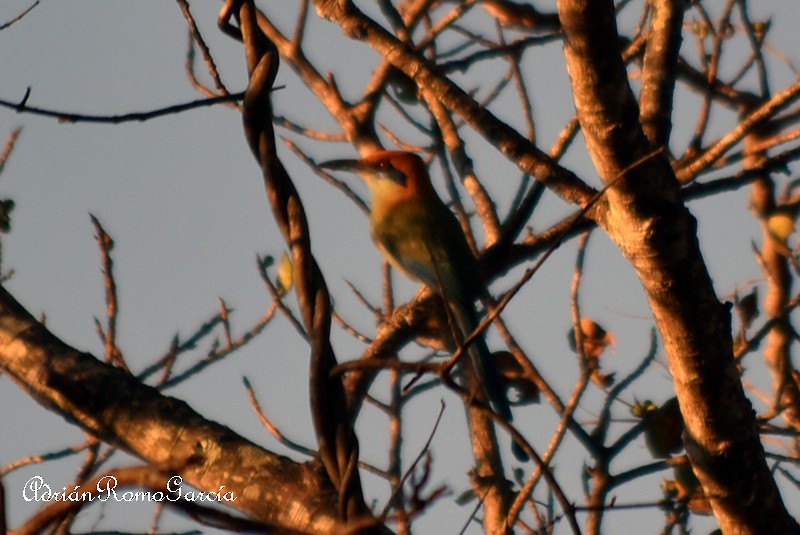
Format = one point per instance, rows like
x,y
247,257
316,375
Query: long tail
x,y
481,359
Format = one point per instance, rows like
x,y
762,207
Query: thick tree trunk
x,y
646,218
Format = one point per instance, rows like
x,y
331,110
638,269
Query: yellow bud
x,y
285,275
780,226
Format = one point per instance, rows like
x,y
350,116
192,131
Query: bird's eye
x,y
383,164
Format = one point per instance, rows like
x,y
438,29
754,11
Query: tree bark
x,y
115,407
646,219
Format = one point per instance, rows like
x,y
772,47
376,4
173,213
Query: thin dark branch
x,y
327,177
277,298
20,16
68,117
177,347
106,243
414,464
617,389
274,431
204,50
35,459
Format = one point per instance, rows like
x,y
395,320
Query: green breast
x,y
428,245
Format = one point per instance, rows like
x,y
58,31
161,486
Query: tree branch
x,y
117,408
647,220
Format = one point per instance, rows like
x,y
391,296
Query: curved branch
x,y
509,142
69,117
338,445
115,407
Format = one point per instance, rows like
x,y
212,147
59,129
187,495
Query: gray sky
x,y
183,200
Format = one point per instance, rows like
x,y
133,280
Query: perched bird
x,y
421,237
663,426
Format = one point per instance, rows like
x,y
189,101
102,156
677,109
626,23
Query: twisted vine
x,y
338,444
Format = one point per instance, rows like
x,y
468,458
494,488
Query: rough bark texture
x,y
654,230
114,406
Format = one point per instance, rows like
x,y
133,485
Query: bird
x,y
418,234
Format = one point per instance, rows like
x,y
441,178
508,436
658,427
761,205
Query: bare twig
x,y
44,457
274,431
106,244
68,117
17,19
11,141
780,100
399,487
197,37
277,298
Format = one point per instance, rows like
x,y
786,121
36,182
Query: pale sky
x,y
183,199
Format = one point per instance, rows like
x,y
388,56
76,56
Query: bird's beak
x,y
366,170
344,165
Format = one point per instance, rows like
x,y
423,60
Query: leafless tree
x,y
427,83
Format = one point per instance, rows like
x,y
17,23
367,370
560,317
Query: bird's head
x,y
387,173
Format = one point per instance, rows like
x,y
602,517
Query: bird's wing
x,y
432,250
